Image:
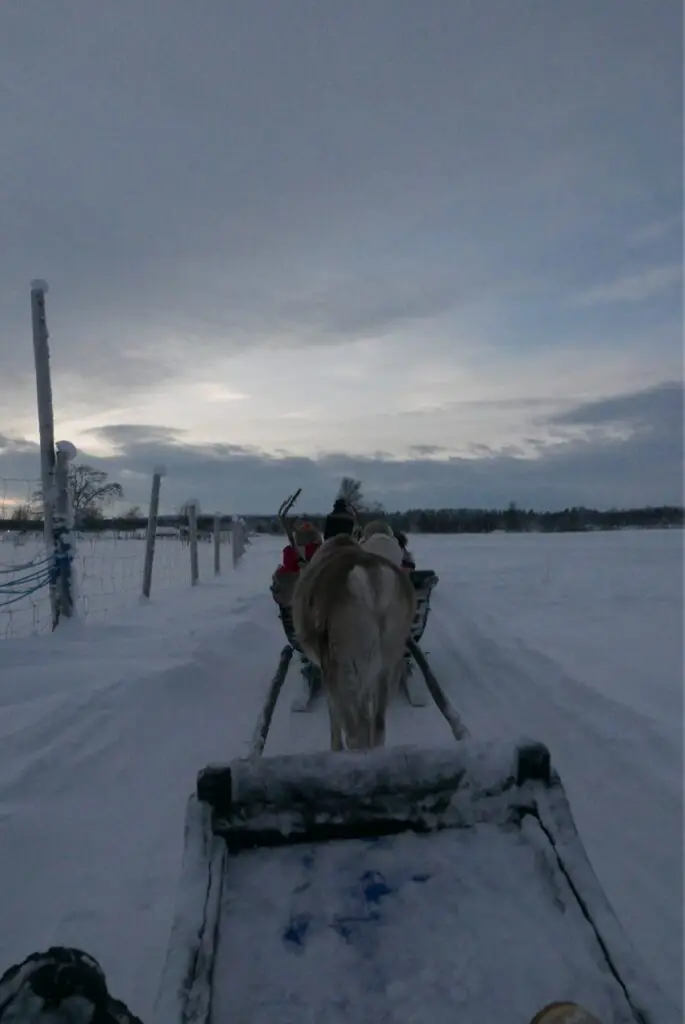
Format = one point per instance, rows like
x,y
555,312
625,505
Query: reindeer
x,y
352,613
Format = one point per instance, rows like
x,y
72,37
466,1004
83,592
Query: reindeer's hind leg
x,y
379,728
385,690
336,731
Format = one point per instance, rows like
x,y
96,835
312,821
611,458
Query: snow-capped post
x,y
192,538
151,533
235,540
63,523
46,426
217,543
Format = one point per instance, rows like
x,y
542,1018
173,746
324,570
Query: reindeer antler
x,y
283,510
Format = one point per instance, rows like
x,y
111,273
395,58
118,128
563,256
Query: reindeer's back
x,y
344,584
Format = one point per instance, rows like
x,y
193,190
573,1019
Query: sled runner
x,y
398,885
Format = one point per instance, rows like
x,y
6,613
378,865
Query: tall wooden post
x,y
151,530
217,543
46,426
235,541
62,529
192,537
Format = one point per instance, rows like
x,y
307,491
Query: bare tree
x,y
350,490
90,491
22,514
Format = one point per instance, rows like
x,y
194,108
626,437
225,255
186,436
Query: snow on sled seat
x,y
444,885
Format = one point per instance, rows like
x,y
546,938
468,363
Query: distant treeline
x,y
120,524
517,520
444,520
509,520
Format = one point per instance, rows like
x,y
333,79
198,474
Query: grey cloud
x,y
19,470
599,471
176,171
10,445
658,408
646,284
125,434
427,449
483,451
656,230
374,305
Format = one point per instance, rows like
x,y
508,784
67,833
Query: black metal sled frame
x,y
424,580
336,803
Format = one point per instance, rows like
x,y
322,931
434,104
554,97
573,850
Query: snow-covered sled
x,y
397,885
424,581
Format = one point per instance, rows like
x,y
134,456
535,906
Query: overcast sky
x,y
434,244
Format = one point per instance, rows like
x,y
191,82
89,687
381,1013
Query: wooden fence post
x,y
151,533
62,530
217,543
235,528
46,426
192,538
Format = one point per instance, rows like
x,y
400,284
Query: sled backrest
x,y
272,801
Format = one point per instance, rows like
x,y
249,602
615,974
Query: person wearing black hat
x,y
340,520
407,557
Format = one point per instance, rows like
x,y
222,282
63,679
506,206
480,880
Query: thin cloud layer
x,y
617,452
354,228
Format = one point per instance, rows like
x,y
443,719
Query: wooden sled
x,y
397,885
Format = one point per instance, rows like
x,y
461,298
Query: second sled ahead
x,y
400,885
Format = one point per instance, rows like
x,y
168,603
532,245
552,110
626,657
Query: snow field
x,y
573,639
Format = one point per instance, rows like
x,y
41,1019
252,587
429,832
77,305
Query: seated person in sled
x,y
407,557
340,521
378,538
378,528
307,541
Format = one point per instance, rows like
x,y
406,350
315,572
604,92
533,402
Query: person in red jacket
x,y
308,540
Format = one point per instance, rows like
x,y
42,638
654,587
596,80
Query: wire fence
x,y
107,566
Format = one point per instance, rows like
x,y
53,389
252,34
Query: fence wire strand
x,y
108,568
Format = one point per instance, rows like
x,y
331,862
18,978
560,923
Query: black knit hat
x,y
339,521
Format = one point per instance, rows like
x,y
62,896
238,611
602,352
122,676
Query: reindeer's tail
x,y
366,644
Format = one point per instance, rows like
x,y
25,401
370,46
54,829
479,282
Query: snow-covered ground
x,y
574,639
108,571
